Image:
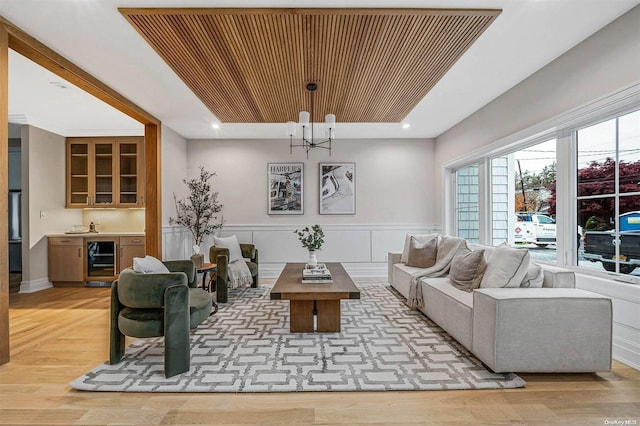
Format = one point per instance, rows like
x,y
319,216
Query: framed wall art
x,y
286,188
337,188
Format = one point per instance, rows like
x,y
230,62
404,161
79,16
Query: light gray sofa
x,y
556,328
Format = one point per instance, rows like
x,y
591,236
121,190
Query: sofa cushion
x,y
506,267
402,277
449,307
422,255
534,276
467,269
443,284
423,238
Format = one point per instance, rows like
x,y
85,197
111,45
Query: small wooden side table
x,y
205,269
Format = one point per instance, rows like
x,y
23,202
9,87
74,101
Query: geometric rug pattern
x,y
247,347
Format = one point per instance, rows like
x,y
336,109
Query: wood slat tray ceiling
x,y
253,65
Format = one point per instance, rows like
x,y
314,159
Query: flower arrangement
x,y
311,238
199,213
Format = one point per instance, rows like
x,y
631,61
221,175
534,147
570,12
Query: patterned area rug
x,y
247,347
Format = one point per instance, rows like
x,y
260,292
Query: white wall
x,y
175,241
605,63
174,170
393,196
390,179
43,191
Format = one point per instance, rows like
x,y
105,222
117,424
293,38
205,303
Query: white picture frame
x,y
337,190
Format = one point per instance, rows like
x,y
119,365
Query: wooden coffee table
x,y
304,299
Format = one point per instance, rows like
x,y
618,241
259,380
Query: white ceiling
x,y
93,34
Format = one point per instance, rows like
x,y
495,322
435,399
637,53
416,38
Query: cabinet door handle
x,y
137,240
65,241
79,251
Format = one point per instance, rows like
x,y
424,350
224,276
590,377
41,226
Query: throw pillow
x,y
149,265
506,267
422,255
467,268
534,276
230,243
407,242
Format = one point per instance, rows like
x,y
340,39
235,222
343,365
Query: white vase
x,y
313,260
197,258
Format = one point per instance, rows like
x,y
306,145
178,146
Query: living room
x,y
389,172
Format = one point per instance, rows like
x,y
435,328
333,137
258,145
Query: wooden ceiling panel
x,y
253,65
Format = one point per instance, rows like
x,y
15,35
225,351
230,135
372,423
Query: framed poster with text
x,y
286,188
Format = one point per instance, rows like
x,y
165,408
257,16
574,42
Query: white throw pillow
x,y
425,238
507,267
149,265
534,276
230,243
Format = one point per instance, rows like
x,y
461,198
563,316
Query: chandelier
x,y
307,142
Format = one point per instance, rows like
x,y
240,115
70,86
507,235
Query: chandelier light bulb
x,y
291,128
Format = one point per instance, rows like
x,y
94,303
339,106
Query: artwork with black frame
x,y
286,188
337,188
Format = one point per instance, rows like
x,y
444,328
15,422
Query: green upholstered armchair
x,y
160,304
220,256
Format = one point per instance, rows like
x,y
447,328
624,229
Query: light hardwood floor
x,y
59,334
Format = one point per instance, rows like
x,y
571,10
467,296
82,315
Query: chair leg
x,y
177,344
221,290
116,338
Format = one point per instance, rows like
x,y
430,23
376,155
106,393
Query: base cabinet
x,y
76,260
130,247
66,259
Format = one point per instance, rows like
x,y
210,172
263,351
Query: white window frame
x,y
563,128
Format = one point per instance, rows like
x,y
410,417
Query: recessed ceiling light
x,y
215,125
406,125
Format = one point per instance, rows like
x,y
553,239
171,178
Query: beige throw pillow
x,y
467,269
506,267
423,238
422,255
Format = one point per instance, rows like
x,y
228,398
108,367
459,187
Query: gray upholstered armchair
x,y
220,256
159,304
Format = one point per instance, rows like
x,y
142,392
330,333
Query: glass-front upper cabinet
x,y
77,173
103,177
104,172
130,187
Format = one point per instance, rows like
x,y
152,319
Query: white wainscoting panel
x,y
361,248
626,317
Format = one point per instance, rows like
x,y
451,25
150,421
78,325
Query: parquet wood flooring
x,y
58,334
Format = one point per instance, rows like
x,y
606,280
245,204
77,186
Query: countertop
x,y
99,234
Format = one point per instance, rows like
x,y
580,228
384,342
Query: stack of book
x,y
316,275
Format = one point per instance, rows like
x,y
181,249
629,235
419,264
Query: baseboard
x,y
626,352
35,285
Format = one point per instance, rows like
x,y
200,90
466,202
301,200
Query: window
x,y
574,178
467,203
523,200
608,194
